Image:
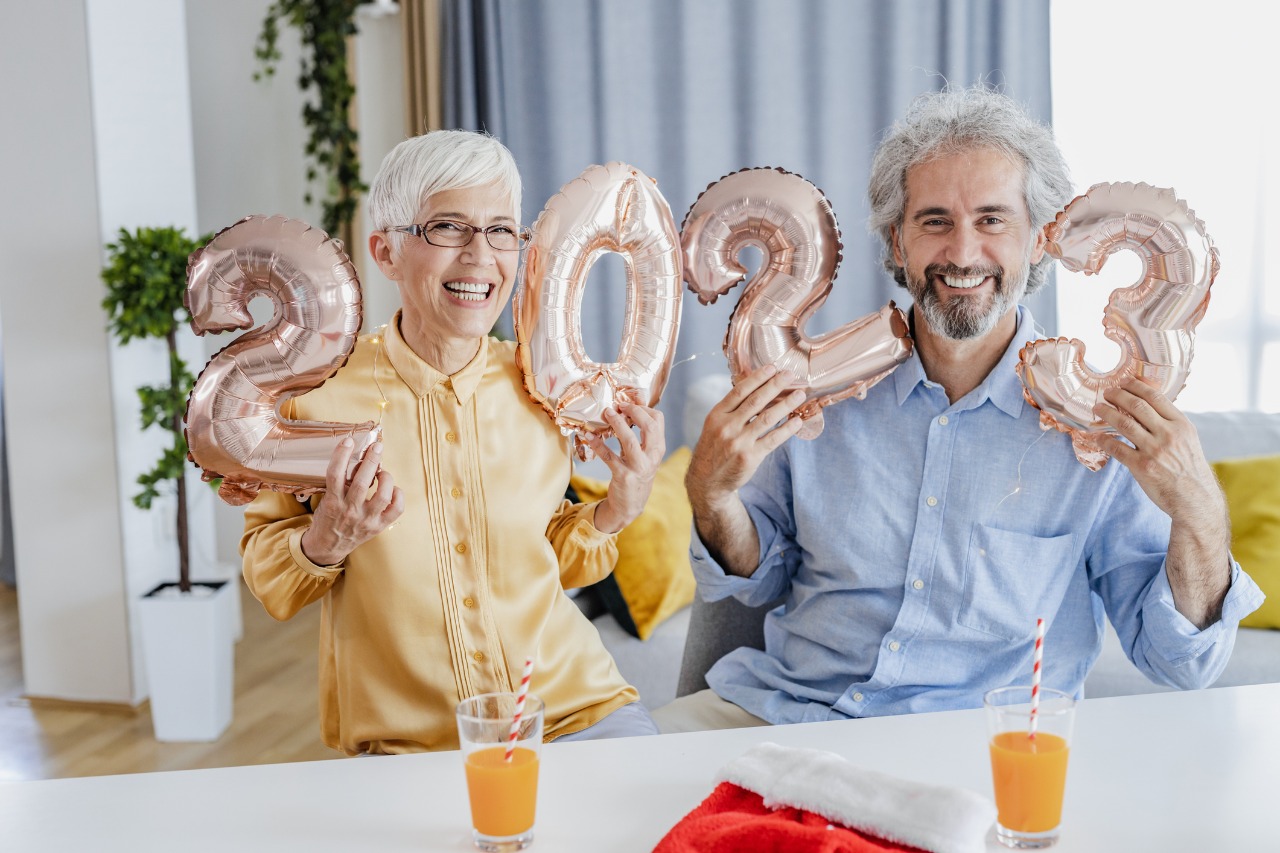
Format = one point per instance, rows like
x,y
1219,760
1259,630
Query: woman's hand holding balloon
x,y
632,466
350,514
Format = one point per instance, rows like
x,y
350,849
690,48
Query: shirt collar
x,y
421,377
1002,385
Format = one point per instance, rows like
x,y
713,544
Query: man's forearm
x,y
1199,569
729,535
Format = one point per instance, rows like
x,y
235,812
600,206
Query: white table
x,y
1192,771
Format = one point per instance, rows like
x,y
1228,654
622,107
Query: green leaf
x,y
332,143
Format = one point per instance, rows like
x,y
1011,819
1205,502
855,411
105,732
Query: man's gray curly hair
x,y
939,124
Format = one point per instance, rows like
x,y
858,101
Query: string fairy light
x,y
1017,484
379,339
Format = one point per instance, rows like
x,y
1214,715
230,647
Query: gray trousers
x,y
630,720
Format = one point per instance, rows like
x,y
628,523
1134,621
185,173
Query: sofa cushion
x,y
1232,435
653,573
1252,486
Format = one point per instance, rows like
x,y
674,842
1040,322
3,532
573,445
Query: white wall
x,y
249,143
146,177
127,113
58,405
380,117
1197,130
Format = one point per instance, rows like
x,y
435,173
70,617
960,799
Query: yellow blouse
x,y
449,601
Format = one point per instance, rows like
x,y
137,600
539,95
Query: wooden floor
x,y
275,718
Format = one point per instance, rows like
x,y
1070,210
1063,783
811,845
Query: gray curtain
x,y
690,91
8,569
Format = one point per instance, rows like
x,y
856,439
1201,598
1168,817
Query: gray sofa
x,y
672,661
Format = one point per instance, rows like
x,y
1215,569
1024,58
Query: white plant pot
x,y
188,646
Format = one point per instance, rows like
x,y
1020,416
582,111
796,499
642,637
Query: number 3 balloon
x,y
234,427
609,208
1153,320
791,222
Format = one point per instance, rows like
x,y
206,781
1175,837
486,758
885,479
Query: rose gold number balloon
x,y
1153,320
791,222
610,208
234,427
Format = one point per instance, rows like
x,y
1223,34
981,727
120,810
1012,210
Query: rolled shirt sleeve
x,y
1173,651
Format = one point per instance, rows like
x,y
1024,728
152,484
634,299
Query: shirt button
x,y
479,656
857,697
450,437
918,584
931,500
944,420
894,646
455,492
461,547
468,602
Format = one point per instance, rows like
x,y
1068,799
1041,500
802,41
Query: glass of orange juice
x,y
503,793
1029,771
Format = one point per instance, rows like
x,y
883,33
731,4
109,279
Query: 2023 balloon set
x,y
235,430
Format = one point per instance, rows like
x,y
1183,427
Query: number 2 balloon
x,y
791,222
234,427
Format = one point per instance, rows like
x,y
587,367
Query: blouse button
x,y
455,492
931,501
944,420
450,437
468,602
479,656
461,547
918,584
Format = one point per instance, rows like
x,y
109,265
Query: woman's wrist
x,y
607,519
316,552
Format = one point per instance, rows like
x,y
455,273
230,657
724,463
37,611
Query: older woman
x,y
442,563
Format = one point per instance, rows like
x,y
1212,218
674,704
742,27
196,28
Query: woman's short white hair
x,y
441,160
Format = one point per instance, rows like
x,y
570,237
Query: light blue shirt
x,y
916,541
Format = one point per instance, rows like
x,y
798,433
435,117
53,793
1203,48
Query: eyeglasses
x,y
454,235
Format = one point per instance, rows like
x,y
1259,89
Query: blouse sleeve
x,y
275,569
585,554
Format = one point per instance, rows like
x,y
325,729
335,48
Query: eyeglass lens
x,y
450,234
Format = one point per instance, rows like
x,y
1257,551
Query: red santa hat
x,y
779,799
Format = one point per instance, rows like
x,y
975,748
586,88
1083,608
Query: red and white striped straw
x,y
1035,678
515,720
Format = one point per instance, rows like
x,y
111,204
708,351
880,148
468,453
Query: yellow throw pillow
x,y
1253,500
653,571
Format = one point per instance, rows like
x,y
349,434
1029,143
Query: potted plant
x,y
186,626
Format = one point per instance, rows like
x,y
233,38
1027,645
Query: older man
x,y
917,540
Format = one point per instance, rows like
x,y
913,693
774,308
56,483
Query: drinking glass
x,y
503,793
1029,771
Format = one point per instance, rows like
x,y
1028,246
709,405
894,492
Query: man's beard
x,y
962,318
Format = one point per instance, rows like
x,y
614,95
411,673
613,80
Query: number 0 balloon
x,y
609,208
1153,320
791,222
234,428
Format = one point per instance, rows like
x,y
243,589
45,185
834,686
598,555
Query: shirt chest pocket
x,y
1010,579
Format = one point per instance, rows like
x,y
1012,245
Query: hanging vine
x,y
324,27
